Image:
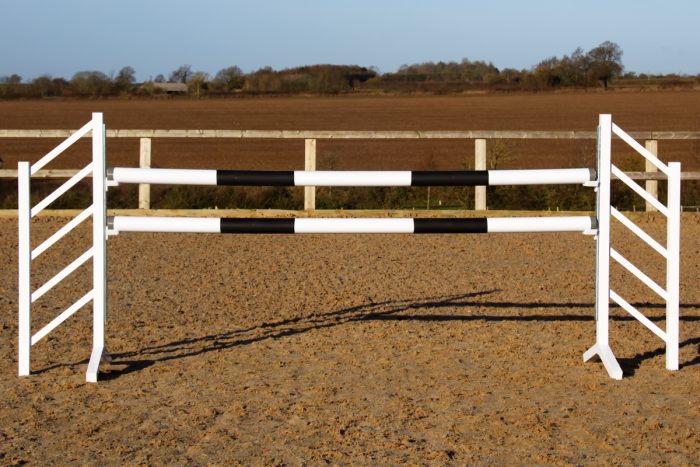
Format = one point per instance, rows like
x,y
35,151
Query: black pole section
x,y
257,226
450,178
427,226
255,177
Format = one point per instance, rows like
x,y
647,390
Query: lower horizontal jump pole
x,y
582,224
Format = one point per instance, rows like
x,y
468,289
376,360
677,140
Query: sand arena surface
x,y
366,349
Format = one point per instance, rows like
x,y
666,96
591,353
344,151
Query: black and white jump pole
x,y
350,178
582,224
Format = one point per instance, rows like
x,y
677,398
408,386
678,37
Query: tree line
x,y
598,67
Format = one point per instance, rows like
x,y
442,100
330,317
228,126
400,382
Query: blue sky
x,y
62,37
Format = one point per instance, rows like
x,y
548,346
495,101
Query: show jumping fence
x,y
598,225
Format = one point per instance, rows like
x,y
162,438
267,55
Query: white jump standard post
x,y
673,247
605,252
602,289
24,216
99,240
97,250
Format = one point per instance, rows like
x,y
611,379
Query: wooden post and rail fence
x,y
650,175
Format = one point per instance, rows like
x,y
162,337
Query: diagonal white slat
x,y
70,183
61,147
60,233
660,291
37,294
638,189
624,220
640,149
640,317
62,317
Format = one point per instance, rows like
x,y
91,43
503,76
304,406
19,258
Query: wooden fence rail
x,y
353,134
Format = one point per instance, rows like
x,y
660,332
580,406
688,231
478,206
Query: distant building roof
x,y
171,87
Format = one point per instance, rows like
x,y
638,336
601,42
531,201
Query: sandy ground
x,y
346,349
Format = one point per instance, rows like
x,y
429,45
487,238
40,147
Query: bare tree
x,y
197,82
499,153
91,83
11,85
580,63
126,75
125,78
182,75
605,62
229,78
547,73
12,79
42,86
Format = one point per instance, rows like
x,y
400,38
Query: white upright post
x,y
603,240
99,240
145,163
480,164
602,300
673,233
25,295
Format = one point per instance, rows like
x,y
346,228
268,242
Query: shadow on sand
x,y
394,310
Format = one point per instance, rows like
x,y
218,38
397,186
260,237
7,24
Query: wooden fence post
x,y
480,164
652,186
145,163
309,164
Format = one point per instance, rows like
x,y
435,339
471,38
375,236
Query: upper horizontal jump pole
x,y
351,178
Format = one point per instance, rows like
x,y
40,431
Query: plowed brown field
x,y
340,349
632,111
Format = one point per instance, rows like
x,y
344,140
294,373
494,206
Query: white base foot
x,y
94,365
607,357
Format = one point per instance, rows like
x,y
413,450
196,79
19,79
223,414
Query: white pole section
x,y
540,224
352,178
164,176
356,225
145,162
24,283
673,245
99,241
541,177
310,165
480,164
166,224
